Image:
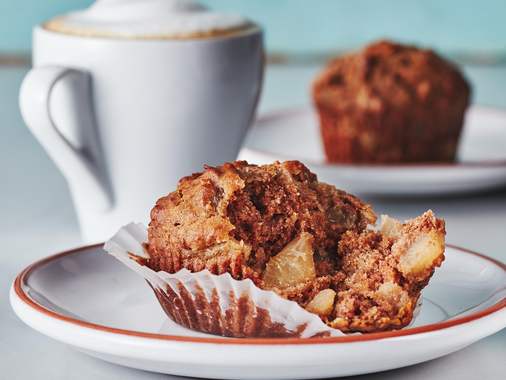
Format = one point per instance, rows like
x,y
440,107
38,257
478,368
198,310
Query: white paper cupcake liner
x,y
218,304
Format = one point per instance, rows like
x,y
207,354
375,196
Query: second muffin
x,y
391,103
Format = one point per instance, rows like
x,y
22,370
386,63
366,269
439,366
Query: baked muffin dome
x,y
233,218
391,103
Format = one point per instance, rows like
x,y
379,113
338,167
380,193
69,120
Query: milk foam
x,y
146,18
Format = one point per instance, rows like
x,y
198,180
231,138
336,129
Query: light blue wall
x,y
319,25
18,16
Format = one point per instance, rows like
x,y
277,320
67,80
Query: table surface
x,y
37,219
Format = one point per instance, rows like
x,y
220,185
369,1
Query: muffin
x,y
390,103
304,240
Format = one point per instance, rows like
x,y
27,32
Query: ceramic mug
x,y
124,119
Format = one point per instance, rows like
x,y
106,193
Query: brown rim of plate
x,y
270,116
22,277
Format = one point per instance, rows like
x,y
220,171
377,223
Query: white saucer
x,y
87,299
294,134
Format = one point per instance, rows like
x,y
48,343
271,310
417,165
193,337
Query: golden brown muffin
x,y
390,103
307,241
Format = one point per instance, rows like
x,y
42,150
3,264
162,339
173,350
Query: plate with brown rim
x,y
88,300
294,134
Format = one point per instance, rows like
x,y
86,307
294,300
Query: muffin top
x,y
386,75
234,217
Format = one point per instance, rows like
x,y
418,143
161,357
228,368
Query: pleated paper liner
x,y
217,304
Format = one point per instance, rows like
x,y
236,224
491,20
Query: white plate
x,y
89,300
294,134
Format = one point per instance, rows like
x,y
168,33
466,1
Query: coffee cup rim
x,y
252,29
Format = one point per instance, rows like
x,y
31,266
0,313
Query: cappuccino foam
x,y
147,19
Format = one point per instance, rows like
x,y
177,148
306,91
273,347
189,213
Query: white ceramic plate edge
x,y
265,360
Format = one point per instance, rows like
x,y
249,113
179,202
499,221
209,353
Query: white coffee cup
x,y
125,118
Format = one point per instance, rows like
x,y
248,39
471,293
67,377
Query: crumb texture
x,y
380,290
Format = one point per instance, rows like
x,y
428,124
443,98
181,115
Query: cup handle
x,y
77,164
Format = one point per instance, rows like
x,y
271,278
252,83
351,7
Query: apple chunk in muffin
x,y
293,265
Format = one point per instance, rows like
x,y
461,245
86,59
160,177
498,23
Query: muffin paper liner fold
x,y
216,304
